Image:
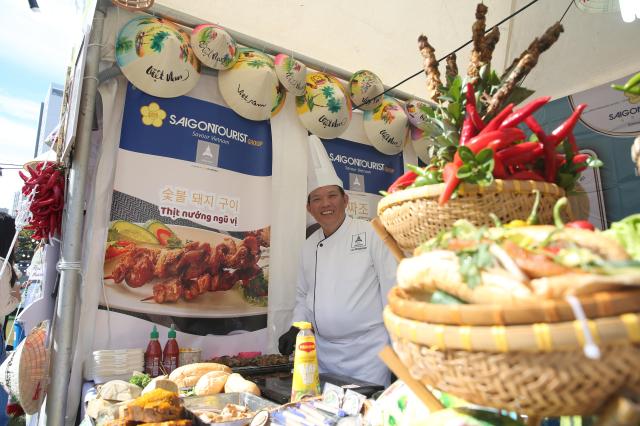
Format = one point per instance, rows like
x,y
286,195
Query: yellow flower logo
x,y
152,115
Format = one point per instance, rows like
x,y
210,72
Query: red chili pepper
x,y
572,142
403,181
451,181
468,131
535,127
520,115
498,119
52,179
564,130
495,140
580,224
499,171
448,171
527,175
472,109
31,171
509,136
521,153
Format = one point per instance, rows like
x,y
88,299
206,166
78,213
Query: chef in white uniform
x,y
345,275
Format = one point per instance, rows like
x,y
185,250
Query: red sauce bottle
x,y
153,355
171,352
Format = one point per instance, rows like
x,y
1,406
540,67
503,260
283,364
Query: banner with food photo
x,y
190,216
364,172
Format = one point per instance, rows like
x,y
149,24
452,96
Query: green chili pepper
x,y
634,90
632,82
420,171
557,208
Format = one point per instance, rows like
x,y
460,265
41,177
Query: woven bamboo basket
x,y
413,216
536,369
416,306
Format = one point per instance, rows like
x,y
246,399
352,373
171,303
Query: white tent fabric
x,y
351,35
382,36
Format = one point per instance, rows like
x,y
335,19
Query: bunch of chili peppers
x,y
513,157
46,182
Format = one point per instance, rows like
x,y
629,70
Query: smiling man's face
x,y
327,205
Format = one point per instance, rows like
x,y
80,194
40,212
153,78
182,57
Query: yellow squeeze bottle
x,y
306,380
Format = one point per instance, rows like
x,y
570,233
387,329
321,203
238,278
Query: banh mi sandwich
x,y
500,265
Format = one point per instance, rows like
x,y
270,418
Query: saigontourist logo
x,y
152,115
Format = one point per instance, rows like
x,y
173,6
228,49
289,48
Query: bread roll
x,y
211,383
237,383
188,375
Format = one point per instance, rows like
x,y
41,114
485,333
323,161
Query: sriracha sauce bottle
x,y
153,355
171,352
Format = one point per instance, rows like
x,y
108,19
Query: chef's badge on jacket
x,y
359,241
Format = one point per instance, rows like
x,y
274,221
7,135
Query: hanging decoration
x,y
214,46
366,90
325,107
419,113
44,185
291,73
250,87
421,141
281,96
386,126
154,55
25,371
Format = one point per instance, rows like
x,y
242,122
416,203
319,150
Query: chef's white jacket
x,y
342,289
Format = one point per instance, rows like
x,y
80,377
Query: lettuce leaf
x,y
627,233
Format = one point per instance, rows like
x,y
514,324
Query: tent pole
x,y
70,263
271,49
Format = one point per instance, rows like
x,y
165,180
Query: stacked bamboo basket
x,y
413,216
527,358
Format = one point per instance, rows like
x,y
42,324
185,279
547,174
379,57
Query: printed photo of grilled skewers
x,y
154,255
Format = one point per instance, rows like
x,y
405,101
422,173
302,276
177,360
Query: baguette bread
x,y
237,383
527,263
188,375
211,383
439,270
598,243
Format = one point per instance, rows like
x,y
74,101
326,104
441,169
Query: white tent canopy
x,y
382,36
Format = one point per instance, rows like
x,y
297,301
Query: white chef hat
x,y
321,171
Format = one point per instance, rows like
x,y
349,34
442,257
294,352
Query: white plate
x,y
215,304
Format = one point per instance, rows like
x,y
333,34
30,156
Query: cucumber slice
x,y
121,230
168,238
442,298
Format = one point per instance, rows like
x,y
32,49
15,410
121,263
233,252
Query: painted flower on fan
x,y
152,115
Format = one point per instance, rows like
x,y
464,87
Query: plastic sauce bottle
x,y
153,355
306,380
171,352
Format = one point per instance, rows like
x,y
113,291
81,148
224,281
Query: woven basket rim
x,y
598,305
133,5
498,185
539,337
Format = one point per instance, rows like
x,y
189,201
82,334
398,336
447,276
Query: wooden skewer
x,y
393,362
387,239
146,298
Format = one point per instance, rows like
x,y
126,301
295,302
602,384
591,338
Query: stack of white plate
x,y
118,364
